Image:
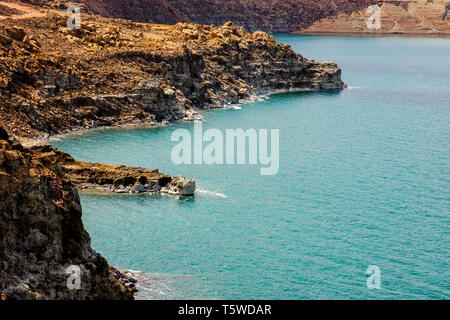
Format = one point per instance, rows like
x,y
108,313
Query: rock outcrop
x,y
108,73
88,176
42,235
117,73
407,16
179,185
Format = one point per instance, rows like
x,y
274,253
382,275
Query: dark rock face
x,y
41,234
269,16
274,16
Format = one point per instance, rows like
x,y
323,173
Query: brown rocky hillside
x,y
266,15
113,72
407,16
274,16
41,233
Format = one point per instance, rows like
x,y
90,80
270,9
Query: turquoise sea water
x,y
364,180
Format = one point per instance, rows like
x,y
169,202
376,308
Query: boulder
x,y
180,186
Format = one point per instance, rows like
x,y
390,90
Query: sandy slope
x,y
28,12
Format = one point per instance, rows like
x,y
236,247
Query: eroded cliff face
x,y
273,16
99,177
113,72
407,16
41,233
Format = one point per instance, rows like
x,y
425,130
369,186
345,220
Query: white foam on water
x,y
211,193
164,286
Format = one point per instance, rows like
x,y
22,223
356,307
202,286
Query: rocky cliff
x,y
108,73
254,15
42,235
276,16
407,16
113,72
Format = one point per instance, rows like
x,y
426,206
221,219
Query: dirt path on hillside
x,y
28,12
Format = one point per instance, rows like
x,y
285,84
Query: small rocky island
x,y
108,73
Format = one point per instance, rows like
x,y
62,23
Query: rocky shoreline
x,y
113,72
42,235
109,73
411,17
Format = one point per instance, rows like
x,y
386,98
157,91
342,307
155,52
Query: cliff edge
x,y
108,178
274,16
113,72
42,235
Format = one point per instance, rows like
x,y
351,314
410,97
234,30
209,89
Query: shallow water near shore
x,y
364,179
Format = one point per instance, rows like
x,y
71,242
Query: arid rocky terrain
x,y
275,16
115,72
110,72
407,16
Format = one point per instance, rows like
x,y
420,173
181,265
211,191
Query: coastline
x,y
177,186
42,212
112,86
164,124
118,73
201,68
124,86
137,77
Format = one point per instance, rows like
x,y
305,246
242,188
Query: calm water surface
x,y
364,180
